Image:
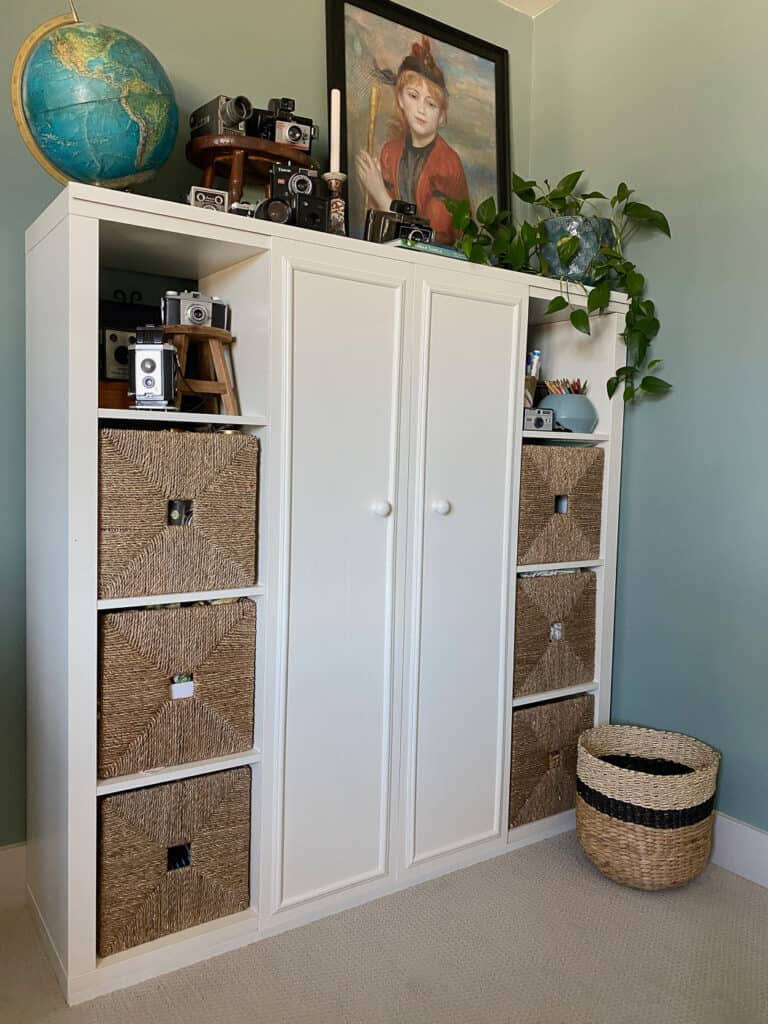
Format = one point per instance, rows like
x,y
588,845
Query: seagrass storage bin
x,y
177,511
145,721
544,739
644,809
172,856
561,491
554,632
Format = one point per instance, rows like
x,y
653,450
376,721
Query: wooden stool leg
x,y
181,344
236,172
229,403
208,176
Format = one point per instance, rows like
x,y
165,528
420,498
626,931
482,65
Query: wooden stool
x,y
211,361
240,159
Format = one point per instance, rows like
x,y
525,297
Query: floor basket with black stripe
x,y
644,804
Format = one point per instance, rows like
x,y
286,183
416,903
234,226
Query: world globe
x,y
93,104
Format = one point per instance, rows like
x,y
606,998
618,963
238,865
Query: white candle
x,y
335,130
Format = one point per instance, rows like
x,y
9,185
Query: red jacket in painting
x,y
442,177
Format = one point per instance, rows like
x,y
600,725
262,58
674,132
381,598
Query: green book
x,y
435,250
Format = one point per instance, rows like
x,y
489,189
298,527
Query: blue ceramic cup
x,y
573,412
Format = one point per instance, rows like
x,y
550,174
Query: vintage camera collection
x,y
236,115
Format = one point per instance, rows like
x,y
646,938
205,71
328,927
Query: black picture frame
x,y
336,60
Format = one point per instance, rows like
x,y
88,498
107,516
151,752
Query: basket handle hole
x,y
561,504
182,685
554,759
556,632
179,856
179,511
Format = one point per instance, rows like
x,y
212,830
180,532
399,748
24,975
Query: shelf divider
x,y
180,771
109,603
566,691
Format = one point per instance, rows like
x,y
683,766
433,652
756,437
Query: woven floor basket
x,y
171,857
141,472
141,726
544,738
564,478
554,632
639,820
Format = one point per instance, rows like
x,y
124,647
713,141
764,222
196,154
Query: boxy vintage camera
x,y
113,354
294,198
538,419
208,198
399,221
223,115
195,309
151,369
280,123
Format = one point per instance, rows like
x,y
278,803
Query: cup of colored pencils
x,y
566,387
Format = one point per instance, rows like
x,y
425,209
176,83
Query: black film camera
x,y
399,221
223,115
151,369
296,196
280,123
196,309
113,353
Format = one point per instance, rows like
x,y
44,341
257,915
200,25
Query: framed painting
x,y
424,112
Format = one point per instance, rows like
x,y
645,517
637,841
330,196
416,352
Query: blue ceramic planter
x,y
592,232
574,412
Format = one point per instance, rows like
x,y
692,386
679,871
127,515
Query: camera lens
x,y
149,383
113,337
197,314
148,365
294,133
236,110
121,354
278,211
538,422
300,184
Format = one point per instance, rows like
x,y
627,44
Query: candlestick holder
x,y
337,214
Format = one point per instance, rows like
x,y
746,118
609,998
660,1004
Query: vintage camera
x,y
223,115
538,419
243,208
196,309
399,221
280,123
151,369
287,180
113,354
208,198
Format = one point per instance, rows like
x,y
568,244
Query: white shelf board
x,y
172,416
560,435
109,603
566,691
542,566
179,771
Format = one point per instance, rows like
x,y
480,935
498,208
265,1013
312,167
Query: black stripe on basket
x,y
647,816
647,765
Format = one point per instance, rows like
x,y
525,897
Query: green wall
x,y
671,97
257,49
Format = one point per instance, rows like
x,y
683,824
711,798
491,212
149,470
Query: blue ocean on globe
x,y
99,105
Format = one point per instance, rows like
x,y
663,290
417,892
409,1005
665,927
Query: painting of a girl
x,y
425,112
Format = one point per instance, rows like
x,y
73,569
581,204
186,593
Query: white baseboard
x,y
13,872
741,848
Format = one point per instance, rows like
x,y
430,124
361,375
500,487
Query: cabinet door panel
x,y
345,338
470,388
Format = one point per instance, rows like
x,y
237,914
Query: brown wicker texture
x,y
648,831
140,472
554,632
140,897
544,738
140,726
549,473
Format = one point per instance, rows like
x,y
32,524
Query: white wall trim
x,y
13,871
741,848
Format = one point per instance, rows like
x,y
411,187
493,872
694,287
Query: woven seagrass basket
x,y
644,805
145,476
561,492
544,738
171,857
554,632
142,723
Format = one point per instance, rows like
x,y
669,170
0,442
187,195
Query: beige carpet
x,y
536,937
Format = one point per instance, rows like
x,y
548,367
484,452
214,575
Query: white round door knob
x,y
441,506
381,508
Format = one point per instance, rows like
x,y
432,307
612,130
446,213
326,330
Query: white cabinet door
x,y
468,403
342,346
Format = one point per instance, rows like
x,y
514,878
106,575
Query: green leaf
x,y
634,283
593,195
504,215
654,363
558,303
517,255
478,253
613,383
528,233
655,386
599,297
642,212
567,247
580,320
648,325
466,244
648,308
637,347
460,212
623,192
501,241
544,265
629,393
523,189
567,184
624,372
486,211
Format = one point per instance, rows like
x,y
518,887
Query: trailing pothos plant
x,y
492,236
